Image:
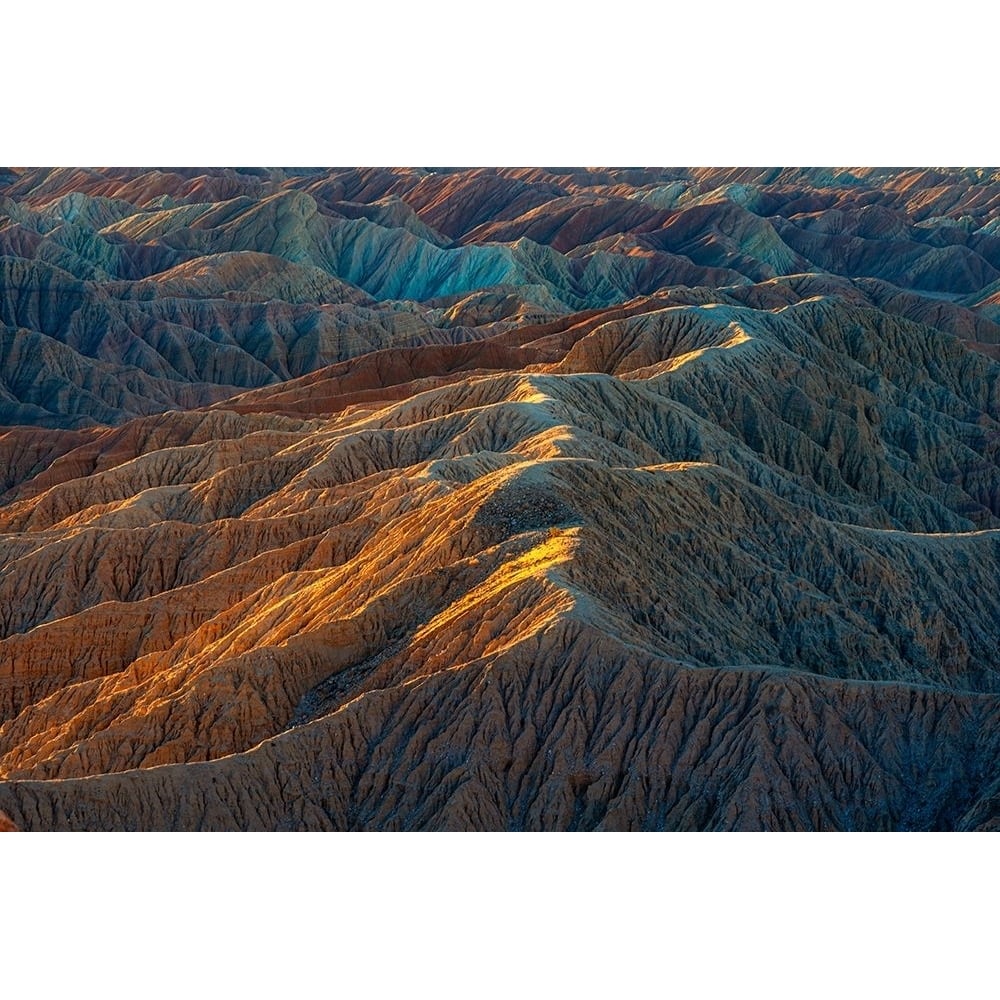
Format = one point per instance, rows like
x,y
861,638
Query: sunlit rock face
x,y
515,499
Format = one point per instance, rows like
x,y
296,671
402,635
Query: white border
x,y
443,83
525,82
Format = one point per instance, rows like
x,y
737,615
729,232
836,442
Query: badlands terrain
x,y
515,499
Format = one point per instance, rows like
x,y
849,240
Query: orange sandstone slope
x,y
716,567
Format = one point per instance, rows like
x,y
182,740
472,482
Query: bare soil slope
x,y
545,546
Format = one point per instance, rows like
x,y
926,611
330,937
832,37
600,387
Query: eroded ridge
x,y
499,500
